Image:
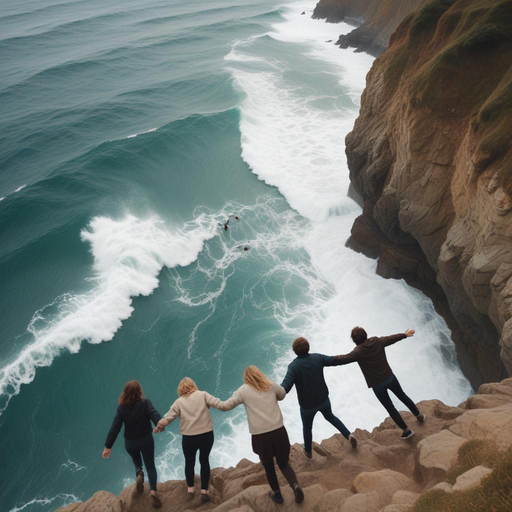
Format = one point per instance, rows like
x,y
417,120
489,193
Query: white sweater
x,y
263,411
194,413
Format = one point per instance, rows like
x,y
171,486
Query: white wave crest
x,y
128,256
62,499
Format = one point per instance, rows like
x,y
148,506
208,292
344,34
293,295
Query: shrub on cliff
x,y
482,38
494,494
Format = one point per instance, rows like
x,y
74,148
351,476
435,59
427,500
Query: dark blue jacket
x,y
137,421
307,373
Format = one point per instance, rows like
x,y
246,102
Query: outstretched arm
x,y
280,391
173,413
289,379
351,357
230,403
113,432
394,338
153,414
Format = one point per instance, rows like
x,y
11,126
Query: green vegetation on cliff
x,y
461,55
493,494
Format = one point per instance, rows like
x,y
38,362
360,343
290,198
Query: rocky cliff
x,y
431,154
376,20
463,452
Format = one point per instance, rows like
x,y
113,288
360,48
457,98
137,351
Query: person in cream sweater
x,y
196,426
260,397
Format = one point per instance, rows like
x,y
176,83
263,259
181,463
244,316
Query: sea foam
x,y
128,256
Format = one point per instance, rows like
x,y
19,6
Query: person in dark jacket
x,y
137,413
306,371
370,354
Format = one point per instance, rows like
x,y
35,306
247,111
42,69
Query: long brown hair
x,y
255,378
186,387
131,395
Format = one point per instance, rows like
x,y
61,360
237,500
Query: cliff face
x,y
384,474
431,154
377,20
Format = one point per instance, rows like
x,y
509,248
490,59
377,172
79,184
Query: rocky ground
x,y
384,474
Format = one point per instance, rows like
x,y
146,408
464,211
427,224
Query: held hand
x,y
158,429
106,453
409,333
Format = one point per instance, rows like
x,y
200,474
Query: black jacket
x,y
307,373
137,421
371,357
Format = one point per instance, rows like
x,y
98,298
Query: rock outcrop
x,y
431,155
375,20
384,474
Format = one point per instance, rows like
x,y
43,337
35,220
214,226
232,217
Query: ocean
x,y
130,132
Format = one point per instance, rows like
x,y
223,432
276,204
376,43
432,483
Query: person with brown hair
x,y
260,397
370,354
196,427
306,372
137,413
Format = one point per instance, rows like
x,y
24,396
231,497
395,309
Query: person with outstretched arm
x,y
306,372
370,354
137,413
269,438
196,427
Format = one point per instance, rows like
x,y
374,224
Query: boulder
x,y
444,486
367,502
333,501
489,424
435,454
404,498
258,500
471,478
386,482
102,501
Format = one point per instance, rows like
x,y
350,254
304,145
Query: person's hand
x,y
106,453
409,333
158,429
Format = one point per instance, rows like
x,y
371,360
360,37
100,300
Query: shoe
x,y
205,498
406,434
308,455
276,497
155,500
420,417
299,494
191,495
353,441
140,481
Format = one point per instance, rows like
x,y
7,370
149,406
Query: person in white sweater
x,y
269,437
196,427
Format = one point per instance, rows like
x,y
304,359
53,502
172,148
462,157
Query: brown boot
x,y
155,500
140,480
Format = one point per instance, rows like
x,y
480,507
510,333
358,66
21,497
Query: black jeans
x,y
381,392
308,415
190,444
145,446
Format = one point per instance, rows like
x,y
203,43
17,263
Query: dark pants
x,y
274,444
191,444
308,415
381,392
145,446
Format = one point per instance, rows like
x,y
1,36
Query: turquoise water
x,y
128,132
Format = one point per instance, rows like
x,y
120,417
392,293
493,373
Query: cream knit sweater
x,y
194,413
263,411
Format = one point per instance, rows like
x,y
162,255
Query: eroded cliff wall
x,y
377,20
431,154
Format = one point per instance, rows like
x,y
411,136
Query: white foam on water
x,y
141,133
128,256
21,187
36,503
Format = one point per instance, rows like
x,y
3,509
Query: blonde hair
x,y
186,387
255,378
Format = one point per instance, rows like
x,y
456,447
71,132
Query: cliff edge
x,y
431,154
376,20
459,456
